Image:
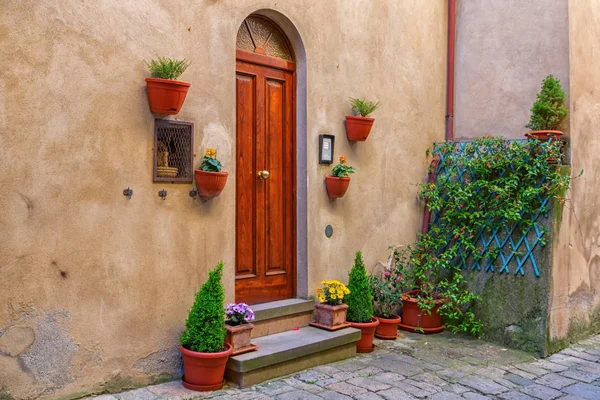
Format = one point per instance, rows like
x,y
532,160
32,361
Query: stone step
x,y
291,351
280,316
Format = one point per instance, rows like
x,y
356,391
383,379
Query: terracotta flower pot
x,y
239,337
336,187
388,327
210,184
330,317
365,344
166,96
358,128
416,320
544,136
204,372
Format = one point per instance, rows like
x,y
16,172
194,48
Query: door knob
x,y
263,174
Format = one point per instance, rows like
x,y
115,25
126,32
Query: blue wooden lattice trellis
x,y
515,244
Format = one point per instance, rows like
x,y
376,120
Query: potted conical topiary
x,y
209,178
337,183
548,112
359,126
203,346
360,305
165,93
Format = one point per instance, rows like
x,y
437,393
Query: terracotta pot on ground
x,y
166,96
204,372
388,327
358,128
210,184
330,317
239,337
365,344
336,187
413,317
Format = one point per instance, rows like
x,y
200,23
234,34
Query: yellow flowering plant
x,y
342,169
332,292
209,162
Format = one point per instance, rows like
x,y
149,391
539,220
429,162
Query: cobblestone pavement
x,y
438,367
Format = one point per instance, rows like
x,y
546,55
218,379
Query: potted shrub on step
x,y
203,346
239,328
548,112
386,291
339,180
165,93
359,126
209,178
360,305
331,310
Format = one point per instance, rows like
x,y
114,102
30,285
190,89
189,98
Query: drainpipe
x,y
450,70
449,101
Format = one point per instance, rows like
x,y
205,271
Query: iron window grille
x,y
173,151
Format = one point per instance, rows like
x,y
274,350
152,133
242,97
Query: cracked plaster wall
x,y
108,281
575,307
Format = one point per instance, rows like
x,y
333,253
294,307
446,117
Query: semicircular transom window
x,y
259,35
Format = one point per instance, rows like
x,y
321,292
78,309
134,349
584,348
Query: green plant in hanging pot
x,y
548,112
360,305
359,126
337,183
210,180
203,346
387,293
165,93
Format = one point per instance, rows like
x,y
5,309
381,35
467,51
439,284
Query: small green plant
x,y
342,169
205,326
209,162
167,68
549,110
386,286
359,300
363,107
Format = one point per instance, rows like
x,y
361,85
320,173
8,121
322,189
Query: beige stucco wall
x,y
95,288
504,50
576,267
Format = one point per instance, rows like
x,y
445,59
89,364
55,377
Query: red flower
x,y
455,236
489,165
434,258
497,196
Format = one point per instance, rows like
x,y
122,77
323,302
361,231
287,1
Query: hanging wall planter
x,y
166,94
358,127
337,183
209,178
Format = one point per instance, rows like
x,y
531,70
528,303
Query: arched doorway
x,y
266,163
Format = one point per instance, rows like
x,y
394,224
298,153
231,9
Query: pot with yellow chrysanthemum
x,y
209,178
330,309
337,183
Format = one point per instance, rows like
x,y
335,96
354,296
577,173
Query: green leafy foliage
x,y
209,162
205,326
386,286
549,110
500,183
167,68
342,169
363,107
359,300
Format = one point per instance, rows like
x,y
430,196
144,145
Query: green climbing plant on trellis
x,y
488,201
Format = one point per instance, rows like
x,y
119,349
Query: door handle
x,y
263,174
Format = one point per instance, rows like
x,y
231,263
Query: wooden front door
x,y
265,179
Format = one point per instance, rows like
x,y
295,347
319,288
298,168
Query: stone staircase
x,y
286,344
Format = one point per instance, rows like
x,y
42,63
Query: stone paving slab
x,y
436,367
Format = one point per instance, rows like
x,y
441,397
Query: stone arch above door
x,y
260,35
